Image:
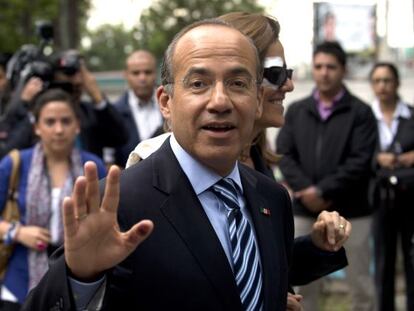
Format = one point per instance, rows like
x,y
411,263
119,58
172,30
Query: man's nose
x,y
324,70
219,98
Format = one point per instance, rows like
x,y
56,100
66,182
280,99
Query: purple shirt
x,y
326,111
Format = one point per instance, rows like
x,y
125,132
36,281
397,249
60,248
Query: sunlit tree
x,y
161,21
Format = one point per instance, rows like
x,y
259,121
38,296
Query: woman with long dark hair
x,y
46,175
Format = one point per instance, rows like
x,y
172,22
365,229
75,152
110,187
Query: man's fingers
x,y
79,196
111,196
139,232
69,219
92,187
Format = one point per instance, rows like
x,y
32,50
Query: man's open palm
x,y
93,241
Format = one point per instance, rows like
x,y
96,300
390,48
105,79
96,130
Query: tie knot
x,y
225,190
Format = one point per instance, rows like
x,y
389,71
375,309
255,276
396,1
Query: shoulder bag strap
x,y
14,177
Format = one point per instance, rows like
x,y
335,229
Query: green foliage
x,y
160,22
17,21
109,46
18,17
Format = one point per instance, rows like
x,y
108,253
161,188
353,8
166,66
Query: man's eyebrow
x,y
236,71
196,71
240,71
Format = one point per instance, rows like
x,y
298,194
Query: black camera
x,y
30,60
68,62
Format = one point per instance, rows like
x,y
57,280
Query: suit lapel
x,y
184,212
265,234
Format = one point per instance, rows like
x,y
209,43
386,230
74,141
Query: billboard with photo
x,y
353,26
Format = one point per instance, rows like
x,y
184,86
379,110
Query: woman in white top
x,y
393,187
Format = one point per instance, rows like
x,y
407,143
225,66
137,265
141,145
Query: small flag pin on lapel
x,y
265,211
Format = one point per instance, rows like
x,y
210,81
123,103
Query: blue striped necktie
x,y
245,255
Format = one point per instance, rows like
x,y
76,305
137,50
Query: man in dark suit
x,y
210,94
138,105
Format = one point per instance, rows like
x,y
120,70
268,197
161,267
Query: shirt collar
x,y
201,177
336,99
401,111
132,98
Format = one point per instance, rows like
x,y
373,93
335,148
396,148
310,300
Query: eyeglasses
x,y
203,85
276,76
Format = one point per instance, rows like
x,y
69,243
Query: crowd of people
x,y
200,222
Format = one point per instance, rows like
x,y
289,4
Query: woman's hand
x,y
406,159
387,160
33,237
293,302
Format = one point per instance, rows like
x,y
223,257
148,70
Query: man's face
x,y
3,80
328,73
215,98
76,80
140,74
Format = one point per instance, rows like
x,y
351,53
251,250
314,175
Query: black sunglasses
x,y
277,75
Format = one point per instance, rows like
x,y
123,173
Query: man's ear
x,y
164,101
259,110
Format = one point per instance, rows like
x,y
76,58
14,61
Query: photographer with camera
x,y
101,124
16,125
30,71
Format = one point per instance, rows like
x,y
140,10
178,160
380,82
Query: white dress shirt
x,y
147,115
387,133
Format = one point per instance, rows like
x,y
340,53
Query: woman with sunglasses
x,y
307,264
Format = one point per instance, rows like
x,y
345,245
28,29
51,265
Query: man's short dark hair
x,y
333,48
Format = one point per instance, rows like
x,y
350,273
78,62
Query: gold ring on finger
x,y
81,217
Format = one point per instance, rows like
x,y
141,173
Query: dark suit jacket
x,y
335,154
101,128
182,265
309,263
384,195
122,152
